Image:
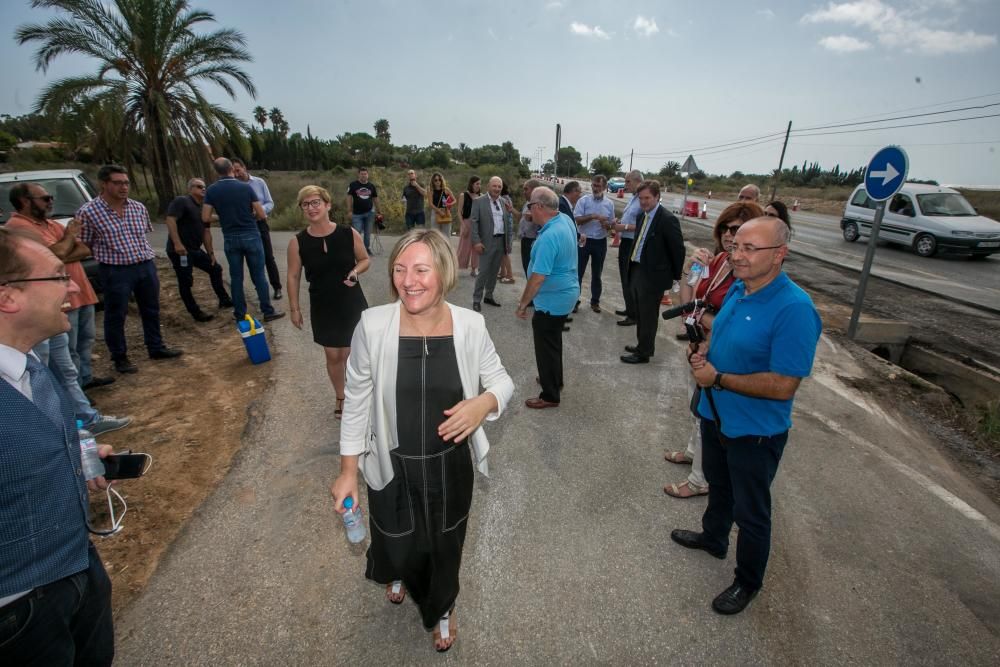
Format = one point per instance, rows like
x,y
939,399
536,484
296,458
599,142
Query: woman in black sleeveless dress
x,y
332,257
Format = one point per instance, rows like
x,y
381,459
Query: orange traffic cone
x,y
665,301
709,194
795,206
617,240
704,211
621,194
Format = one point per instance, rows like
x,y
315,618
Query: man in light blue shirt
x,y
594,215
553,287
626,227
259,186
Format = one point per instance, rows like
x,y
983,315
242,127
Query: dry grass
x,y
987,202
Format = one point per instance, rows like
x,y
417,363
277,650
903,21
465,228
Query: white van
x,y
927,218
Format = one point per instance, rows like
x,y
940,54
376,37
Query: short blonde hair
x,y
445,262
311,190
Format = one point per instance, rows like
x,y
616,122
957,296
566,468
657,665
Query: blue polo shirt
x,y
233,202
554,255
773,330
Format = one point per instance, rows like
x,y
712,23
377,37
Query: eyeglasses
x,y
64,278
120,182
732,229
532,203
48,199
750,249
312,203
745,197
199,186
768,214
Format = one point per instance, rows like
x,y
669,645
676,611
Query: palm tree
x,y
382,129
149,56
260,115
277,119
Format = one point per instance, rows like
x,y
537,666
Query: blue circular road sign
x,y
886,173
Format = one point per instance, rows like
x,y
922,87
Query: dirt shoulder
x,y
189,414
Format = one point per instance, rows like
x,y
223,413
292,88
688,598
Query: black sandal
x,y
338,412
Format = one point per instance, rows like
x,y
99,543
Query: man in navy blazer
x,y
55,596
655,262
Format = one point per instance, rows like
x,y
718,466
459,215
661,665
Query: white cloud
x,y
910,29
587,31
766,13
844,44
645,27
555,4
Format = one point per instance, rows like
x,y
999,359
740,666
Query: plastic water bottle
x,y
184,260
694,275
90,460
353,522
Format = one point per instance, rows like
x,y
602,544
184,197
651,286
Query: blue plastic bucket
x,y
252,332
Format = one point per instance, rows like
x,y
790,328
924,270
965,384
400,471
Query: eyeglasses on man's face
x,y
64,278
48,199
120,182
745,197
312,203
750,249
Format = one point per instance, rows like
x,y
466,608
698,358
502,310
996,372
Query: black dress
x,y
334,308
418,520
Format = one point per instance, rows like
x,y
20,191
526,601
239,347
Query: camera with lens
x,y
692,323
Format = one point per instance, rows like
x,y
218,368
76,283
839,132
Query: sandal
x,y
338,412
676,457
684,490
395,593
507,281
444,631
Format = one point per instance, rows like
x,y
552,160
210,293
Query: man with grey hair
x,y
749,192
186,234
238,209
488,240
594,215
763,342
259,186
626,227
553,288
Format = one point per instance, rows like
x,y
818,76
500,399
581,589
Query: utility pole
x,y
781,161
587,162
630,156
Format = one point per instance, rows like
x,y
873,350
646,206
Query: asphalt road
x,y
819,236
883,553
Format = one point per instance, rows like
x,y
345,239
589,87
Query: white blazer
x,y
369,427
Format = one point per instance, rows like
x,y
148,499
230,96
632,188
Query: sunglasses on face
x,y
732,229
48,199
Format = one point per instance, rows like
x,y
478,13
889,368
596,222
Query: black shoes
x,y
165,353
201,316
576,307
491,301
275,315
734,599
569,319
277,294
692,540
621,313
565,328
477,307
123,365
96,382
627,322
225,303
635,358
632,349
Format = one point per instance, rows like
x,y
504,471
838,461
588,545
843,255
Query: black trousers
x,y
66,622
273,276
624,251
197,259
526,254
548,331
647,311
739,475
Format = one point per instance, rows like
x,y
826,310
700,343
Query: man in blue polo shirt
x,y
763,342
553,287
239,209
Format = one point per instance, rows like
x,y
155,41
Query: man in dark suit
x,y
489,231
655,263
567,201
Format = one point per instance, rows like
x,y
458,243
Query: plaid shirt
x,y
113,239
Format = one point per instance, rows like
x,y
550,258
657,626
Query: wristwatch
x,y
718,382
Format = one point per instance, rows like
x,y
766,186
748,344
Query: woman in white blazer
x,y
412,425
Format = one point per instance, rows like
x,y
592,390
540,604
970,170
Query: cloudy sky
x,y
663,77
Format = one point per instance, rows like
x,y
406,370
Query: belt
x,y
496,236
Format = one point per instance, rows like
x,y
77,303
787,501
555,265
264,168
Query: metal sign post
x,y
884,176
689,167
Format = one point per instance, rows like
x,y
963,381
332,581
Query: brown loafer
x,y
540,404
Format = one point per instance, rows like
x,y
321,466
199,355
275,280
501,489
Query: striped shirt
x,y
113,239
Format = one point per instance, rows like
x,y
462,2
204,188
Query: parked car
x,y
615,184
70,190
927,218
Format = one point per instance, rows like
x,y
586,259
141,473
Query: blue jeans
x,y
414,219
55,353
121,282
363,223
596,250
249,247
82,332
739,475
65,622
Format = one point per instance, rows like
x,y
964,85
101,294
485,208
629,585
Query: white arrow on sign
x,y
887,176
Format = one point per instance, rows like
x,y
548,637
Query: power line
x,y
706,148
925,106
894,127
886,120
908,144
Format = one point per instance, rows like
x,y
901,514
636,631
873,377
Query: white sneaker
x,y
107,424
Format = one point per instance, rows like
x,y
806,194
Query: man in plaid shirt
x,y
115,227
